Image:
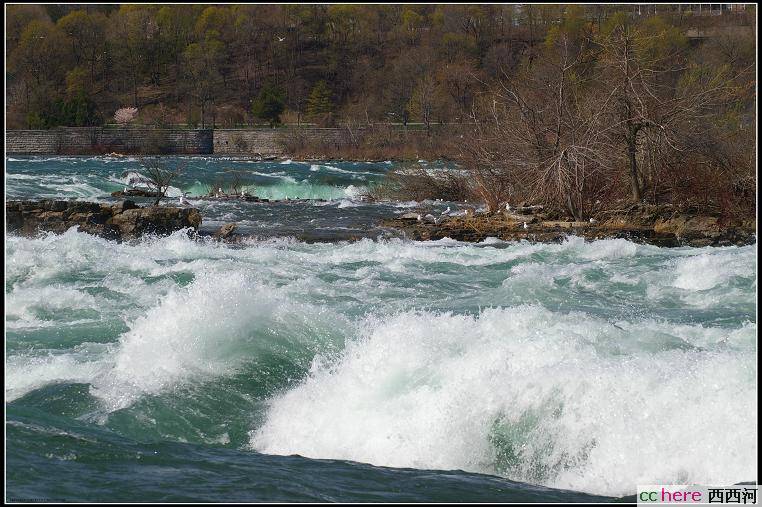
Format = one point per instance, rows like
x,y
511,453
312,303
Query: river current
x,y
328,359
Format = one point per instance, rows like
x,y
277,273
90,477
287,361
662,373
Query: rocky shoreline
x,y
121,221
663,226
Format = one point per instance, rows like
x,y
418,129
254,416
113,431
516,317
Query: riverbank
x,y
666,226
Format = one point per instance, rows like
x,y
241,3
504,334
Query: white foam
x,y
701,272
578,400
200,333
526,393
25,373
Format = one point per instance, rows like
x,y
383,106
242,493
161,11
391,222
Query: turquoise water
x,y
372,370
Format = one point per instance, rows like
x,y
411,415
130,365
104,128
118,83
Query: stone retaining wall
x,y
269,142
93,140
258,141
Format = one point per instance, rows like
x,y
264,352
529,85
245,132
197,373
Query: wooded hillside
x,y
243,64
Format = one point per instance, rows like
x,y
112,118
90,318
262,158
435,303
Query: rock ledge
x,y
124,220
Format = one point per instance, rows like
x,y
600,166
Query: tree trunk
x,y
634,179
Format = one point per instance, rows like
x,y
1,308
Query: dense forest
x,y
240,64
573,105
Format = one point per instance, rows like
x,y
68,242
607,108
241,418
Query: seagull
x,y
507,207
418,218
592,220
182,198
280,39
125,190
446,211
526,226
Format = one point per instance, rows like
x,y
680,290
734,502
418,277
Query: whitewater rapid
x,y
587,366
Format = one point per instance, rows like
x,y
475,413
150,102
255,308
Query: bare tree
x,y
537,136
231,183
159,176
658,97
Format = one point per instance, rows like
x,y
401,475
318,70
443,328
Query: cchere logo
x,y
745,494
670,494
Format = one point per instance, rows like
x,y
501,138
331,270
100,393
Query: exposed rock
x,y
658,225
135,192
124,205
520,218
565,225
528,210
225,231
124,220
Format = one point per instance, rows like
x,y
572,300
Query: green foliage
x,y
77,111
319,103
617,21
573,26
660,39
77,81
269,104
206,62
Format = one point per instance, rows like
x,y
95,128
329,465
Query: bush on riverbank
x,y
415,183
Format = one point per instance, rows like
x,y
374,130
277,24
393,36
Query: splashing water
x,y
591,367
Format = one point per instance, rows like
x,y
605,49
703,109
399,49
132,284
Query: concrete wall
x,y
88,140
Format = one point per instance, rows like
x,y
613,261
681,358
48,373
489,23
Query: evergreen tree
x,y
269,104
319,104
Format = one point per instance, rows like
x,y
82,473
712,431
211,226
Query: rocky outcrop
x,y
134,192
657,225
124,220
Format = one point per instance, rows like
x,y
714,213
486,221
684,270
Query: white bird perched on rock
x,y
526,226
182,198
592,220
125,190
446,211
418,218
507,207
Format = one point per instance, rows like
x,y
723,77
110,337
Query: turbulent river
x,y
303,366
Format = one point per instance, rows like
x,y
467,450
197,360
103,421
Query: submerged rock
x,y
124,220
225,231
